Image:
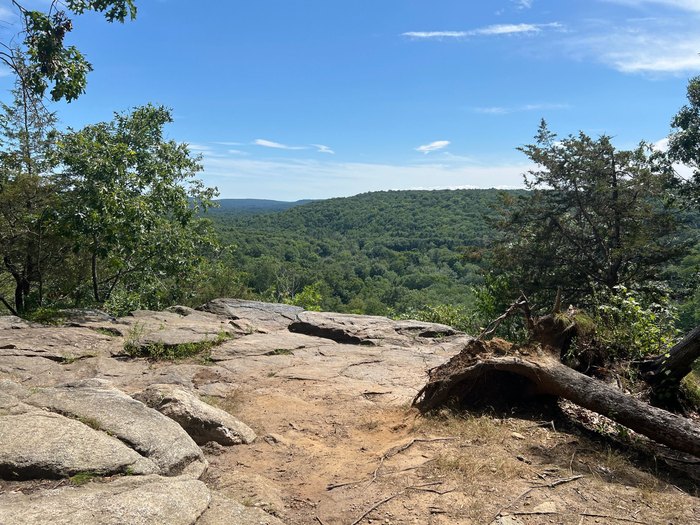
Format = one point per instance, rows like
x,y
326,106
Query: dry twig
x,y
389,498
607,516
389,454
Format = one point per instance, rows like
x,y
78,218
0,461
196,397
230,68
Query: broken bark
x,y
668,370
531,370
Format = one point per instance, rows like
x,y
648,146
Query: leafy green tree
x,y
597,218
50,62
684,141
132,204
27,194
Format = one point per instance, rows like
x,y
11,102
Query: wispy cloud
x,y
276,145
504,110
651,46
295,179
433,146
323,149
684,5
492,30
523,4
435,34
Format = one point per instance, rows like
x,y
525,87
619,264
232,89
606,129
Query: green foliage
x,y
163,352
309,298
47,316
374,253
684,141
28,199
90,422
81,478
50,62
690,387
596,217
132,207
455,316
631,327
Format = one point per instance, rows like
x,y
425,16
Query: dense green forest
x,y
392,253
253,206
374,253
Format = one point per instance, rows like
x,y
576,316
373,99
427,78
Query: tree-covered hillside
x,y
371,253
253,206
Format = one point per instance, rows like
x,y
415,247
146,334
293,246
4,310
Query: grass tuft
x,y
163,352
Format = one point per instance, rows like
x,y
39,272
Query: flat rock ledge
x,y
39,444
138,500
203,422
95,403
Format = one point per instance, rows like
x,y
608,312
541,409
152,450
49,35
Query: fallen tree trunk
x,y
483,362
669,369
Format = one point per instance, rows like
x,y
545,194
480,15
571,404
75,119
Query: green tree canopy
x,y
132,201
597,218
684,143
27,194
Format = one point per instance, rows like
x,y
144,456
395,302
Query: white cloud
x,y
433,146
200,148
323,149
509,29
651,46
685,5
501,110
523,4
435,34
302,178
661,145
492,30
276,145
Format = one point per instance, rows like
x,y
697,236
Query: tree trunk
x,y
480,363
666,371
8,305
95,282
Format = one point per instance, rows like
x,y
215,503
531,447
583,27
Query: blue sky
x,y
323,98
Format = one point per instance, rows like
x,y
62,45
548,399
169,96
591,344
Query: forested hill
x,y
368,253
254,206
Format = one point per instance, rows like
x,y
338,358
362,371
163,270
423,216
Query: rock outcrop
x,y
132,500
76,404
154,436
203,422
40,444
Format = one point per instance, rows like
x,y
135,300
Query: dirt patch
x,y
332,461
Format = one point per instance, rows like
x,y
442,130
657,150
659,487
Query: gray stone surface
x,y
367,330
203,422
175,326
224,511
60,344
143,500
147,431
377,363
260,316
11,322
39,444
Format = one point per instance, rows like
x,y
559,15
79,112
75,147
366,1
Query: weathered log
x,y
544,374
669,369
